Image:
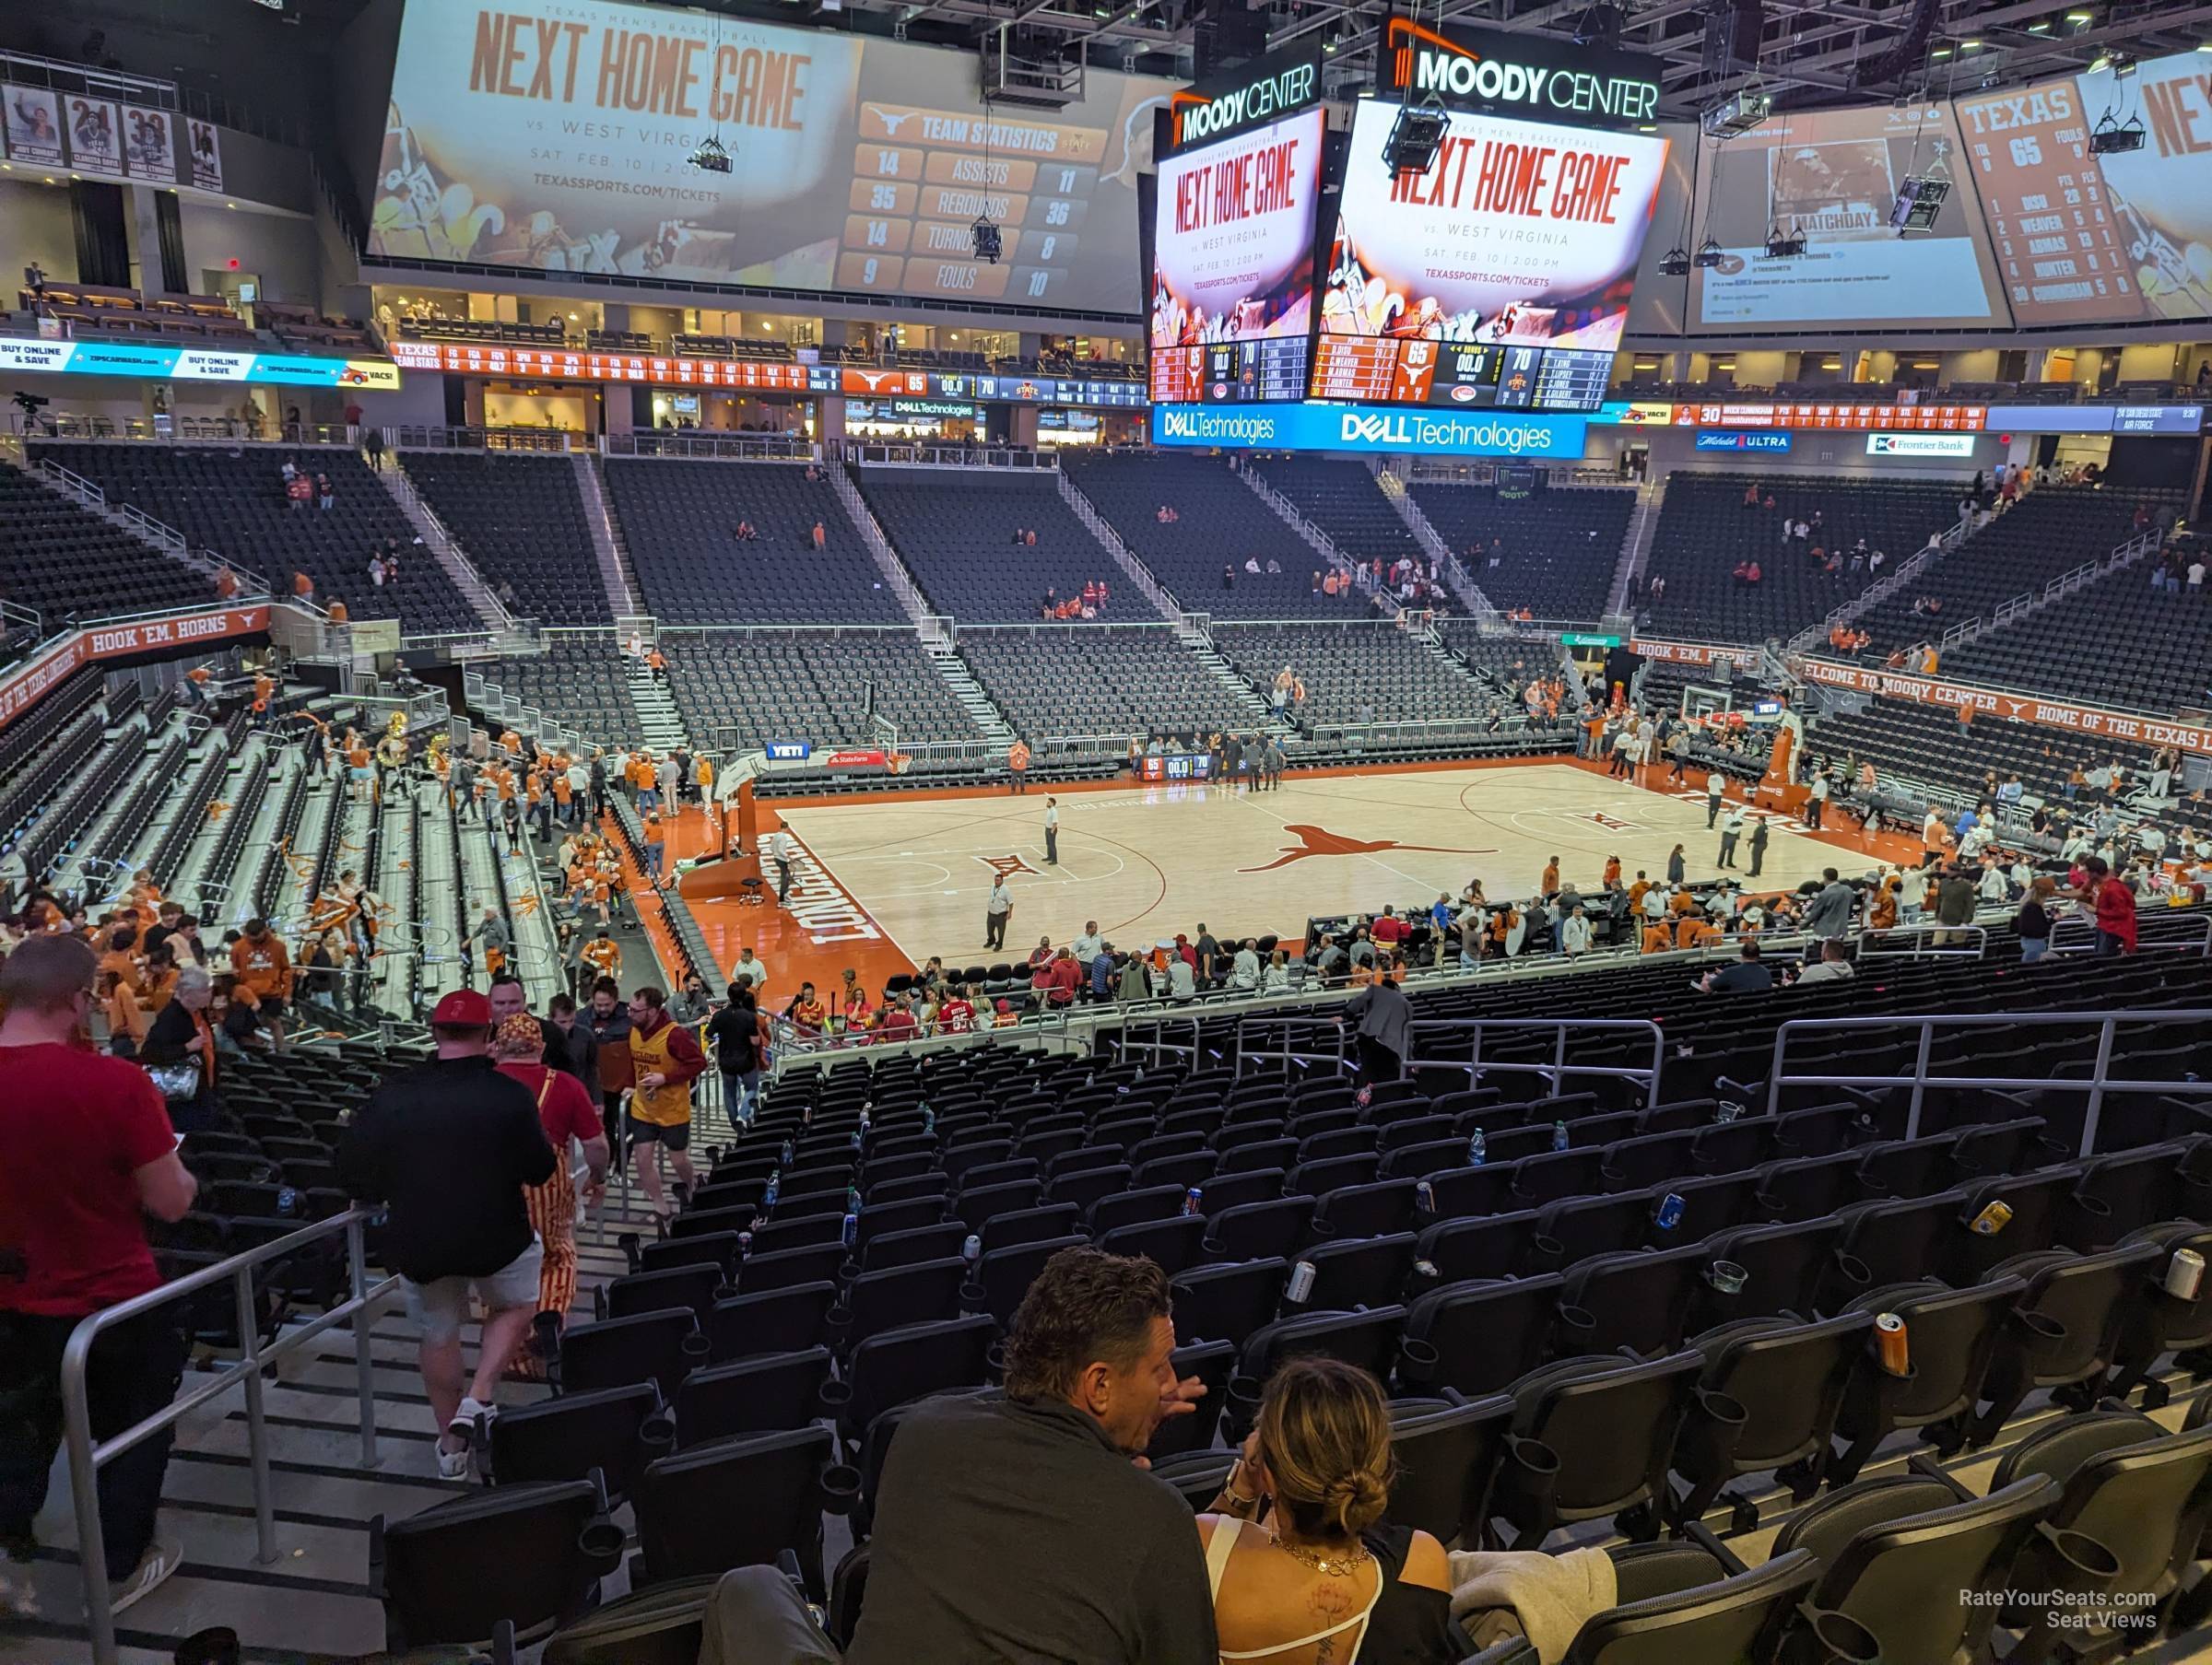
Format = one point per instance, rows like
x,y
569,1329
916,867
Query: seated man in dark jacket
x,y
1022,1527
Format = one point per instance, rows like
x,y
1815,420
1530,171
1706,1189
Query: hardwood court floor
x,y
1146,863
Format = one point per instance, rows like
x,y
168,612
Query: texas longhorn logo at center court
x,y
1320,841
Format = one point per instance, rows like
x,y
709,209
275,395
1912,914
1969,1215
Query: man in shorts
x,y
450,1148
664,1057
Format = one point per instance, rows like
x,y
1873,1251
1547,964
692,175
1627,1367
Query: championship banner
x,y
31,124
2020,708
96,138
150,143
27,686
559,137
204,157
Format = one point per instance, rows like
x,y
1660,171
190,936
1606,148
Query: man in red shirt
x,y
2107,893
957,1016
518,1048
1389,929
1062,977
898,1020
88,1152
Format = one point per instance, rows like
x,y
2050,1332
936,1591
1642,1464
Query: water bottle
x,y
929,1122
972,1250
1424,1197
288,1201
768,1198
783,1158
856,1132
1478,1148
1559,1136
853,1198
851,1229
863,1118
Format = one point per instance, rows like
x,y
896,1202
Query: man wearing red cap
x,y
451,1148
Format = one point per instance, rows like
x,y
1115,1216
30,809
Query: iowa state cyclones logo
x,y
1320,841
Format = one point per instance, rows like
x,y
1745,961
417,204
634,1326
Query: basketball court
x,y
1146,862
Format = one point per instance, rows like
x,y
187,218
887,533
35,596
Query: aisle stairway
x,y
444,548
986,716
660,724
615,574
314,1601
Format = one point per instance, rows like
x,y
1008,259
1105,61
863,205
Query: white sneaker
x,y
162,1557
463,1425
452,1465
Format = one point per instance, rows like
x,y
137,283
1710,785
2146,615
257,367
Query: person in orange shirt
x,y
563,794
1882,915
1690,930
144,901
1680,903
539,804
510,743
1549,883
127,1021
1612,872
1657,938
358,768
263,970
1018,764
303,586
603,956
120,960
160,981
226,584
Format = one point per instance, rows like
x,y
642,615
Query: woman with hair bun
x,y
1304,1570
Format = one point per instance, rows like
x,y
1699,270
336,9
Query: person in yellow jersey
x,y
665,1059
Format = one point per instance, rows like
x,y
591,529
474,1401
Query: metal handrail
x,y
86,1459
780,448
1558,1069
1878,944
2100,1082
2197,937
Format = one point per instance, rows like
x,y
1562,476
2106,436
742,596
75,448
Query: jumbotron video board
x,y
1232,313
1499,275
